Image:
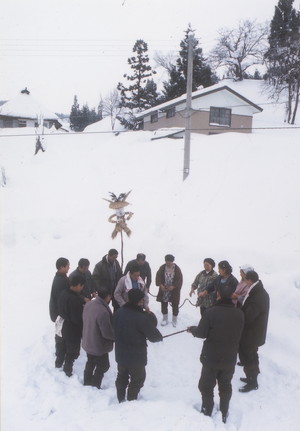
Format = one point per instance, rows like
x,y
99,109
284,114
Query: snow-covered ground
x,y
240,203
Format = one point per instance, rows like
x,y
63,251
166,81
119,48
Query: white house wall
x,y
223,99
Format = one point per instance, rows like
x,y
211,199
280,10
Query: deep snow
x,y
240,203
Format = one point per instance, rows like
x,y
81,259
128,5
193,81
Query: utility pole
x,y
188,119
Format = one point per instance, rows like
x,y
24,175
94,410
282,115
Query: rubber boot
x,y
174,321
250,386
165,320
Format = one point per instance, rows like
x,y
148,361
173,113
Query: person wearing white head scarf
x,y
242,288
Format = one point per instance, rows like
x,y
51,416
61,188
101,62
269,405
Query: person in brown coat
x,y
169,280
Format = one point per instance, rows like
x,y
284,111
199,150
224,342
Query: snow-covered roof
x,y
199,93
25,106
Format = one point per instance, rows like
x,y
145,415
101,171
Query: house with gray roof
x,y
215,109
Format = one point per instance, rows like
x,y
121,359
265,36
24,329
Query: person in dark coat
x,y
169,279
255,307
88,292
132,330
221,326
225,279
144,267
60,283
97,337
107,273
70,309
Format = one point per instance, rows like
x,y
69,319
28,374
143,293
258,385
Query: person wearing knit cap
x,y
202,280
132,330
242,287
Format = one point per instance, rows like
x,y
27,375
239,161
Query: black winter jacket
x,y
70,308
106,274
89,284
256,311
222,327
229,285
132,329
60,283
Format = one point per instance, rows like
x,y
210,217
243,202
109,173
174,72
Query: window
x,y
154,117
22,123
170,112
220,116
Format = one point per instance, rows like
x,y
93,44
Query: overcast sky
x,y
59,48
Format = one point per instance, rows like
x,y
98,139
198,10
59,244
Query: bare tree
x,y
240,48
111,106
166,61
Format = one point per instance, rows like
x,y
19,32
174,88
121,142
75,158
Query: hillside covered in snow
x,y
240,203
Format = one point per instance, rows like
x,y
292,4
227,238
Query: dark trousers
x,y
249,358
66,351
60,351
209,377
131,377
95,368
164,308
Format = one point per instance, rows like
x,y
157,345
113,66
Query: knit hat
x,y
246,267
135,295
210,261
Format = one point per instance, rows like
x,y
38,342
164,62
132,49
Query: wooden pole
x,y
122,247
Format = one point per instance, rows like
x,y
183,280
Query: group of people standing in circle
x,y
233,321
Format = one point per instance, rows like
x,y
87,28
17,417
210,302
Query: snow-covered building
x,y
215,109
24,111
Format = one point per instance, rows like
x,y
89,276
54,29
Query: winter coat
x,y
177,282
89,284
241,290
145,271
70,308
222,327
229,285
60,283
123,287
202,280
97,334
256,310
132,329
107,274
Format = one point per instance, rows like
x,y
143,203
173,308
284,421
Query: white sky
x,y
58,48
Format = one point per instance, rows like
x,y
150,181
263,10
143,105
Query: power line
x,y
127,131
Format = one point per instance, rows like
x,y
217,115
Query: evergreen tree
x,y
283,55
135,95
202,73
80,118
175,87
75,114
